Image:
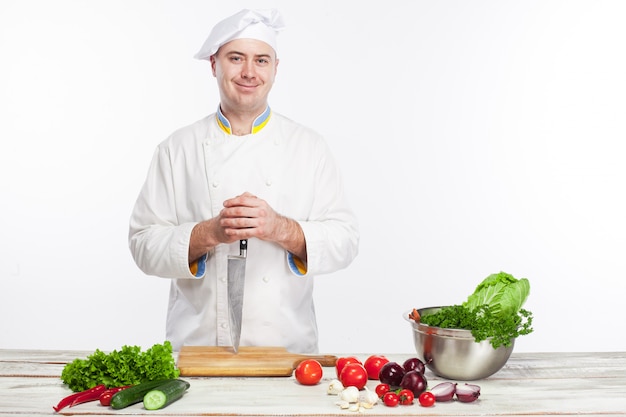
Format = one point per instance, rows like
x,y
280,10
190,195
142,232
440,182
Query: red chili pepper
x,y
71,399
66,401
89,395
105,397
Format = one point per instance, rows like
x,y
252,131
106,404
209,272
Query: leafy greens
x,y
128,366
493,311
504,294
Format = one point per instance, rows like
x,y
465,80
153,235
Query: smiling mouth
x,y
247,89
247,86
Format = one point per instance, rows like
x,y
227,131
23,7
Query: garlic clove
x,y
367,405
343,404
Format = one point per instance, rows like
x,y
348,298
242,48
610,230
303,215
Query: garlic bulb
x,y
350,394
335,387
368,397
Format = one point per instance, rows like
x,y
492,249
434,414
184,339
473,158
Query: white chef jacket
x,y
192,173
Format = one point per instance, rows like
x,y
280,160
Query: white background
x,y
474,137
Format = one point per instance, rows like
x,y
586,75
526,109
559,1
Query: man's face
x,y
245,70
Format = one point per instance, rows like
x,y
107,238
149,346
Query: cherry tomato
x,y
309,372
341,362
426,399
406,397
391,399
373,364
353,375
382,389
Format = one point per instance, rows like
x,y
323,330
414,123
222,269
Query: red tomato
x,y
373,365
309,372
406,397
382,389
341,362
426,399
353,375
391,399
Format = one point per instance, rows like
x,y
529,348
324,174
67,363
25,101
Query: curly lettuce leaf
x,y
127,366
482,323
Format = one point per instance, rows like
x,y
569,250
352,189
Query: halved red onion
x,y
444,391
467,392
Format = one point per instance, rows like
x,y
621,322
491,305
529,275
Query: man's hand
x,y
243,217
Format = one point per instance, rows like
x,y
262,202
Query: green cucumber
x,y
165,394
134,394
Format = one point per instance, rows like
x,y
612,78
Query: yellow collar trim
x,y
258,124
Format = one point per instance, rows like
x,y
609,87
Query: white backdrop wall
x,y
474,136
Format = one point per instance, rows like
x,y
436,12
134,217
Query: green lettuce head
x,y
503,293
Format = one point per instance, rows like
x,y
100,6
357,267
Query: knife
x,y
236,281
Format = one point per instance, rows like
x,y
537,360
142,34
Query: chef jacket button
x,y
215,184
268,182
266,279
223,279
224,325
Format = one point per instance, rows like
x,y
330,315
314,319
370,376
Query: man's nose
x,y
248,70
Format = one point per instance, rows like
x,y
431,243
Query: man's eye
x,y
235,58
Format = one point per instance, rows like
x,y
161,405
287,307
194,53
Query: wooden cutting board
x,y
249,361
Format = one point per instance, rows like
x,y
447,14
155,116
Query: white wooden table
x,y
530,384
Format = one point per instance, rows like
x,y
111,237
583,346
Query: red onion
x,y
414,381
444,391
391,373
467,393
414,364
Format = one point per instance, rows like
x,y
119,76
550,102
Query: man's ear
x,y
212,59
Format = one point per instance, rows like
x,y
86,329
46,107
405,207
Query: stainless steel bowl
x,y
453,353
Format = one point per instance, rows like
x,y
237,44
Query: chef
x,y
243,172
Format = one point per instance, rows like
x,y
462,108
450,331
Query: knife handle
x,y
243,247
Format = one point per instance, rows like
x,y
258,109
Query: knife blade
x,y
236,281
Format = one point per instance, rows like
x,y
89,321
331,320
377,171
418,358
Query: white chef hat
x,y
262,25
